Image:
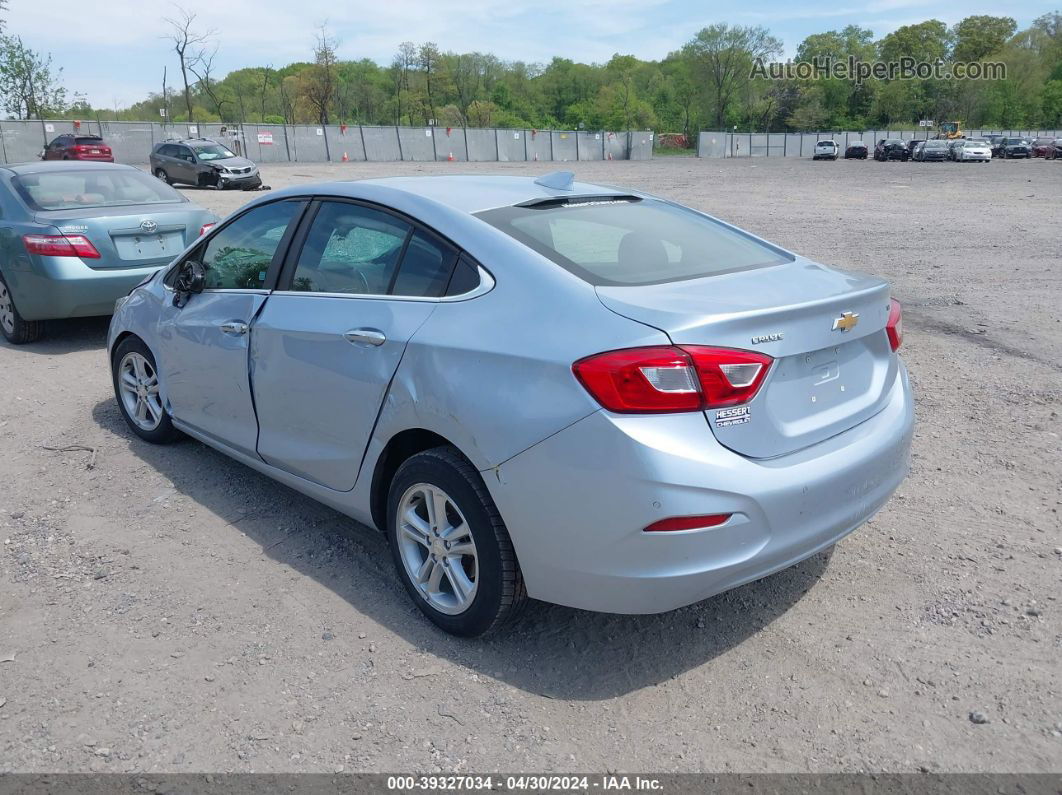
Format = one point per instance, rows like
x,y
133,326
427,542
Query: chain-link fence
x,y
735,144
131,142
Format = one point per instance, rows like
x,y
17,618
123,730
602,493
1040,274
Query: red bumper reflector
x,y
687,523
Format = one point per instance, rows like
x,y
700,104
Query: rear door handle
x,y
368,335
234,327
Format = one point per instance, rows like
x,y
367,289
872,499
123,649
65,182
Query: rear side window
x,y
425,269
350,249
632,241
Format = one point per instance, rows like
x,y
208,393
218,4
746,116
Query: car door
x,y
329,340
184,169
203,345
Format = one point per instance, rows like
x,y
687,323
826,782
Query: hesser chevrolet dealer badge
x,y
738,415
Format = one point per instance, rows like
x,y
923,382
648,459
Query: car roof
x,y
47,166
469,193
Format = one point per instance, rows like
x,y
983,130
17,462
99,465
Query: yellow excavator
x,y
950,130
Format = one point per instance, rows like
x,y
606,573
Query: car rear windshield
x,y
89,140
631,241
72,189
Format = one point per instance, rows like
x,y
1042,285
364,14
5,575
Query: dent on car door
x,y
324,350
204,343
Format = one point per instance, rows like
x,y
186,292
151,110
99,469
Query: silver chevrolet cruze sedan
x,y
535,388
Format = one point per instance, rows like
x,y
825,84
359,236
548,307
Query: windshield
x,y
75,189
893,142
629,241
1011,141
212,152
936,144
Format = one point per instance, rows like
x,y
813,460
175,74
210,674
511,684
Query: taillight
x,y
678,523
672,379
60,246
894,325
206,228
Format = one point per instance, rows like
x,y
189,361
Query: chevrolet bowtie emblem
x,y
846,322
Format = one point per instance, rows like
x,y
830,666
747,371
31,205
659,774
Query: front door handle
x,y
369,335
234,327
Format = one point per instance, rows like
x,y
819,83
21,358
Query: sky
x,y
113,51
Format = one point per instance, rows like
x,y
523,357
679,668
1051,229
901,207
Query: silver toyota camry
x,y
534,387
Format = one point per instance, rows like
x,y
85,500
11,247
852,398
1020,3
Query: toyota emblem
x,y
149,226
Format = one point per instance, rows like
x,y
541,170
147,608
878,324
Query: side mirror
x,y
191,279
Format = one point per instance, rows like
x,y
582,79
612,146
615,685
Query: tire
x,y
160,173
16,330
133,358
497,594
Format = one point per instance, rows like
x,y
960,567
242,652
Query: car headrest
x,y
641,251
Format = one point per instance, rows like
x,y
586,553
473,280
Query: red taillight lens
x,y
60,246
676,523
206,228
672,379
638,380
894,326
728,377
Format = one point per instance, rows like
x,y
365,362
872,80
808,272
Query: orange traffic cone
x,y
450,158
346,158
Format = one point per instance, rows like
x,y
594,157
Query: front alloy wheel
x,y
136,387
140,391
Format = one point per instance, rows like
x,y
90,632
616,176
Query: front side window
x,y
350,249
630,241
238,256
72,189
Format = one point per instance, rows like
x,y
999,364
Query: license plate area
x,y
144,246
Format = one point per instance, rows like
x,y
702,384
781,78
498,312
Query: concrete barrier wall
x,y
564,145
539,145
482,145
418,143
22,141
511,145
730,144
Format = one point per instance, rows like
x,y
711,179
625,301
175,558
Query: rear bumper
x,y
576,505
61,287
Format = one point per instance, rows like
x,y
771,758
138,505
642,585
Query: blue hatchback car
x,y
74,237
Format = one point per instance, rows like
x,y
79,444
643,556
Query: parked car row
x,y
188,161
358,307
961,150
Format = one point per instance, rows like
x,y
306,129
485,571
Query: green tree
x,y
722,56
29,84
977,37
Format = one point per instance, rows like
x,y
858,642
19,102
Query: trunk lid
x,y
824,380
132,236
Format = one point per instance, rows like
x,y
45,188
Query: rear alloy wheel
x,y
16,330
450,545
160,173
136,387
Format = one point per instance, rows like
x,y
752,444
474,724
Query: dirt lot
x,y
166,609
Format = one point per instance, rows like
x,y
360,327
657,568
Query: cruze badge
x,y
846,322
762,338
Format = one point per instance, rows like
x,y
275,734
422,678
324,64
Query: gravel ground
x,y
166,609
